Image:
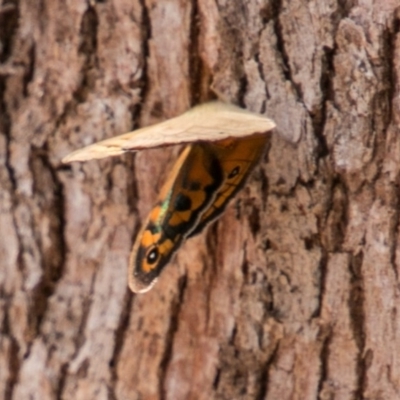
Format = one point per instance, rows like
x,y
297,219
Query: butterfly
x,y
224,144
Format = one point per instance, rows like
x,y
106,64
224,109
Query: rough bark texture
x,y
293,294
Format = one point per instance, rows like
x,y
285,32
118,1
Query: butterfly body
x,y
225,144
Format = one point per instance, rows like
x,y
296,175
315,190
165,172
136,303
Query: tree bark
x,y
292,294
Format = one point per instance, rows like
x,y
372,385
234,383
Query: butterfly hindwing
x,y
237,159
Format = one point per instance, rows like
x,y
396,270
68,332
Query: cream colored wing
x,y
207,122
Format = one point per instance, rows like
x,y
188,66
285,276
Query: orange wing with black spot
x,y
202,182
189,189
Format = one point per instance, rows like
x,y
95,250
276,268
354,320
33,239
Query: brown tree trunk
x,y
293,294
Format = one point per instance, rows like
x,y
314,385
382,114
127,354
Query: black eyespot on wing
x,y
182,202
234,172
152,256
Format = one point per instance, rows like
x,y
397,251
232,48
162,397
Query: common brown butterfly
x,y
225,143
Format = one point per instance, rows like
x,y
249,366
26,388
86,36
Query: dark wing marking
x,y
191,186
237,159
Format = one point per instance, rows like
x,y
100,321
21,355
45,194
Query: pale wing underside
x,y
207,122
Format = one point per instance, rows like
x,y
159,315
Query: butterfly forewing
x,y
189,189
